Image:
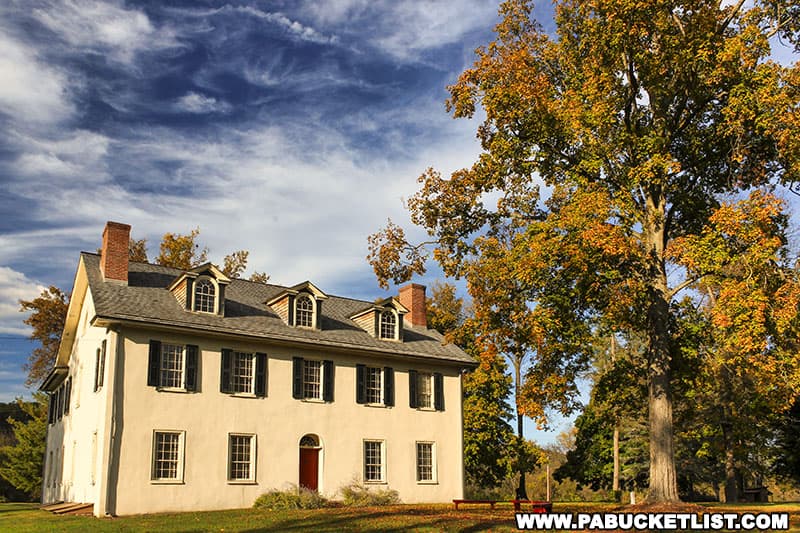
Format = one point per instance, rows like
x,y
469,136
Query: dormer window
x,y
304,311
388,325
205,296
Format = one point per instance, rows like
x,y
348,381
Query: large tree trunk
x,y
663,477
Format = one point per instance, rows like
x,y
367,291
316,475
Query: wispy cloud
x,y
104,27
15,286
197,103
31,90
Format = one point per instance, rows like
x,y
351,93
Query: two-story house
x,y
186,390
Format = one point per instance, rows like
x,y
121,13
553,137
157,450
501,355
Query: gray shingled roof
x,y
146,299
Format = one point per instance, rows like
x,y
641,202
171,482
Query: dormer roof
x,y
305,286
205,269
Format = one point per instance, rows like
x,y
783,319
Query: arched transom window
x,y
304,311
204,294
388,325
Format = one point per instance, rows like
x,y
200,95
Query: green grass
x,y
20,517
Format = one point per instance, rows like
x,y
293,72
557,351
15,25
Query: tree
x,y
235,263
49,311
137,250
488,437
22,463
182,251
259,277
637,117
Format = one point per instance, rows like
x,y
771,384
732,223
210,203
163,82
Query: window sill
x,y
367,482
167,482
427,482
242,394
242,482
377,405
313,400
172,389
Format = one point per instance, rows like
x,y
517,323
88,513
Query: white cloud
x,y
299,30
197,103
30,90
104,27
406,28
15,286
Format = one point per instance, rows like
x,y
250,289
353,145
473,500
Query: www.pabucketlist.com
x,y
653,521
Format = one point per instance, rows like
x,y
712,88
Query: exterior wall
x,y
366,322
279,422
282,308
180,293
73,460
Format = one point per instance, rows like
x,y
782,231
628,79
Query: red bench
x,y
537,506
485,502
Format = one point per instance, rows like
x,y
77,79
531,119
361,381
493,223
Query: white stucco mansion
x,y
186,390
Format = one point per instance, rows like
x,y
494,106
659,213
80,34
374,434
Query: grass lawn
x,y
20,517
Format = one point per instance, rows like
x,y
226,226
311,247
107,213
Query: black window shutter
x,y
297,378
361,384
327,381
261,374
290,316
96,368
154,363
102,370
51,409
67,394
59,402
438,391
192,355
388,386
412,388
225,370
319,314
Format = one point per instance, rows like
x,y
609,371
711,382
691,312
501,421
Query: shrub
x,y
293,497
356,494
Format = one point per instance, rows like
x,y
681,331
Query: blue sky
x,y
291,129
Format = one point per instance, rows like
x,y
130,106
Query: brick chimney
x,y
412,296
114,253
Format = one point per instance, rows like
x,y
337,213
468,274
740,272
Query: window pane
x,y
171,374
304,315
312,385
242,373
388,325
424,461
374,388
240,460
204,296
424,395
373,468
167,456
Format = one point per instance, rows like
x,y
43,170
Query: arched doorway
x,y
309,462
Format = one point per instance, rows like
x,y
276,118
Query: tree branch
x,y
685,283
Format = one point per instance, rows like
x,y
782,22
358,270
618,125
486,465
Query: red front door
x,y
309,467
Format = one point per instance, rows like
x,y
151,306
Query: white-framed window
x,y
168,447
312,379
388,325
425,390
171,367
241,457
426,462
243,372
304,311
205,296
374,461
374,385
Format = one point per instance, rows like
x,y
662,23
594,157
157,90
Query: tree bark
x,y
615,478
663,478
